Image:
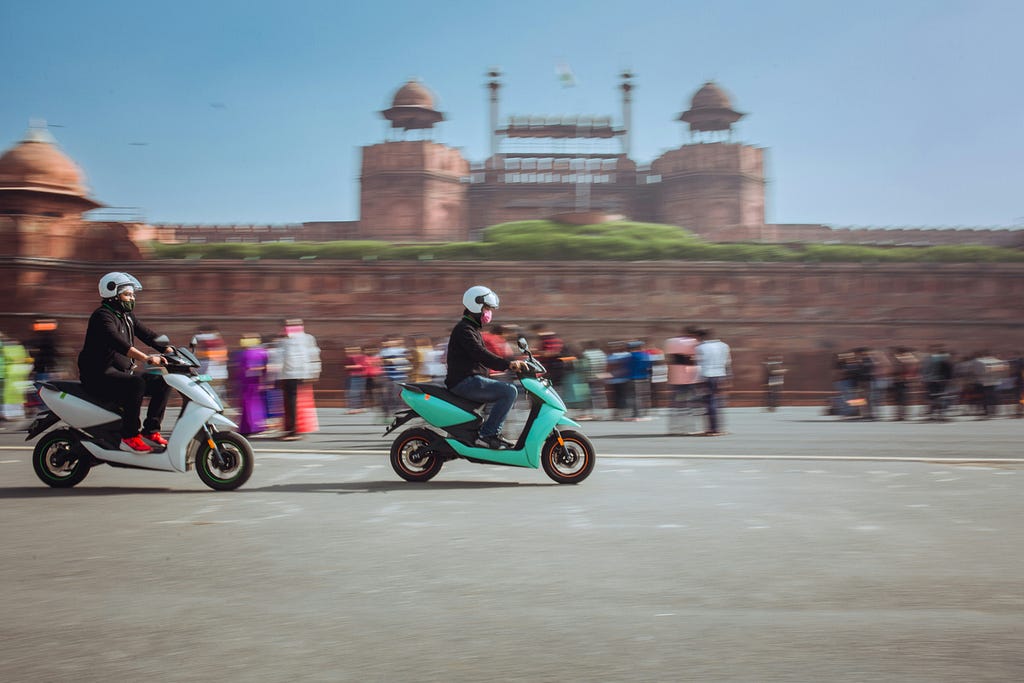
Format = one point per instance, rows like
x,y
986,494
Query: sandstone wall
x,y
805,312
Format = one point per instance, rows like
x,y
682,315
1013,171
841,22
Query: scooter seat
x,y
76,388
443,393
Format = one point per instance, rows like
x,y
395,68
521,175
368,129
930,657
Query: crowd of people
x,y
268,384
875,384
268,381
618,380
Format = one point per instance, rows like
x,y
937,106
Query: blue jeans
x,y
501,394
713,401
356,390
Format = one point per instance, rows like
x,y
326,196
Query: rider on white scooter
x,y
108,359
469,359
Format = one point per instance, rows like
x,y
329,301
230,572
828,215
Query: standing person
x,y
550,354
937,373
1016,369
44,350
107,363
374,378
394,358
618,378
273,397
300,364
495,341
355,368
212,352
658,381
715,362
250,381
774,376
469,361
990,372
18,366
684,381
422,353
904,374
436,367
577,391
596,376
639,380
864,381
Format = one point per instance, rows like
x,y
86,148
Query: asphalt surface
x,y
795,548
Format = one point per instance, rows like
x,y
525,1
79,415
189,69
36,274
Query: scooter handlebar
x,y
531,368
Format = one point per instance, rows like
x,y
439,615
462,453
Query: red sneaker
x,y
135,445
155,438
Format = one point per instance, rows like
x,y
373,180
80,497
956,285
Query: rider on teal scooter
x,y
469,360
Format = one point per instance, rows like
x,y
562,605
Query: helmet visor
x,y
490,299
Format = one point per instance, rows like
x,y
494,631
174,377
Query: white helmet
x,y
112,283
477,297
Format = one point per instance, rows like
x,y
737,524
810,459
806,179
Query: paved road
x,y
773,567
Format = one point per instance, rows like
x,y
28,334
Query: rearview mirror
x,y
523,344
162,340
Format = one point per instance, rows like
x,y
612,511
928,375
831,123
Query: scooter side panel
x,y
545,392
76,411
150,461
188,425
529,456
436,411
503,457
539,433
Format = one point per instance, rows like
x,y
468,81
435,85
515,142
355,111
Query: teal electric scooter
x,y
452,422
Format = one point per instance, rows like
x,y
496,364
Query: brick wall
x,y
805,312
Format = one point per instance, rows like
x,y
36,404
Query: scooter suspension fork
x,y
218,457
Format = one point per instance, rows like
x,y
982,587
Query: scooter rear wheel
x,y
412,458
571,461
58,461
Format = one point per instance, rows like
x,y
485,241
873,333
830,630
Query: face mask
x,y
127,305
486,315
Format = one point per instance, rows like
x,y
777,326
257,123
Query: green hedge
x,y
616,241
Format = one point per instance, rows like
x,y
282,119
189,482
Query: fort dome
x,y
412,108
710,110
36,164
710,96
413,94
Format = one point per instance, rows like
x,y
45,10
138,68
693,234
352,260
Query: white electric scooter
x,y
90,432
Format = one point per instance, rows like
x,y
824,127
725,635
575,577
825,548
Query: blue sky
x,y
906,112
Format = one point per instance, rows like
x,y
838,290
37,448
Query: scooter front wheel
x,y
59,461
238,461
412,456
570,460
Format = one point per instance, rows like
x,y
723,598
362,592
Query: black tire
x,y
412,458
60,460
239,461
570,462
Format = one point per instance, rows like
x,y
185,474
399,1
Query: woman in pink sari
x,y
250,383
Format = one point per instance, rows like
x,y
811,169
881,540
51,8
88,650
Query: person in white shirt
x,y
715,363
300,362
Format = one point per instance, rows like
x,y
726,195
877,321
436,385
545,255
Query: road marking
x,y
326,454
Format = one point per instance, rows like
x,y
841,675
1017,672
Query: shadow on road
x,y
47,492
388,486
309,487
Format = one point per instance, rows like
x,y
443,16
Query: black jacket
x,y
110,334
467,355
